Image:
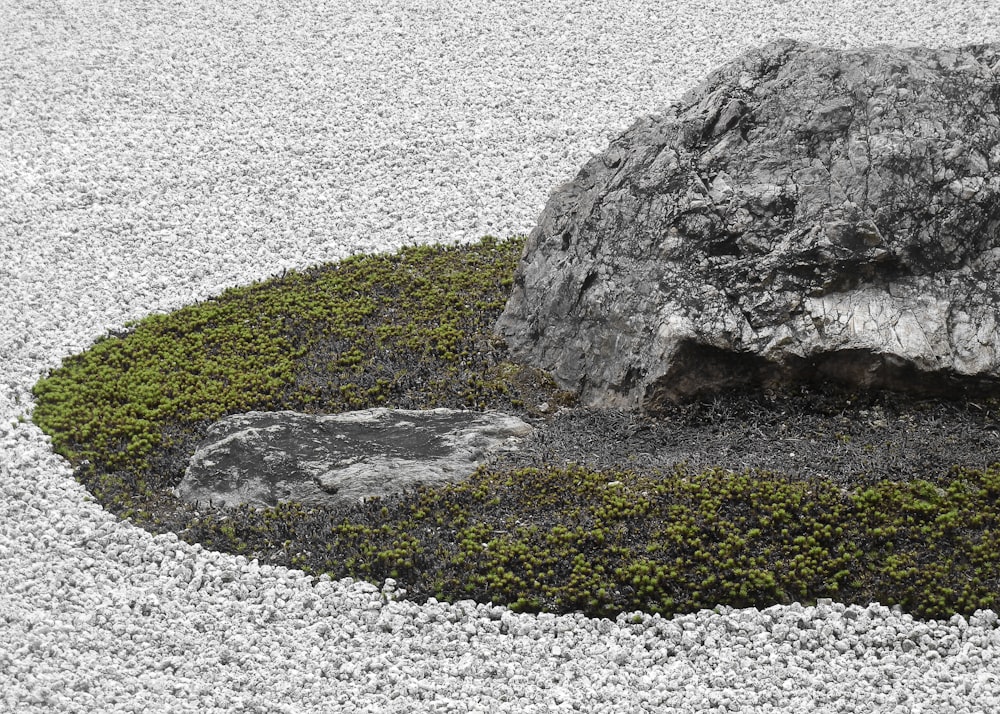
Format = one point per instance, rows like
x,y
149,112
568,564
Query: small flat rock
x,y
265,458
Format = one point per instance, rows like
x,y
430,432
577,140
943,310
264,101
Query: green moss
x,y
697,540
543,539
413,330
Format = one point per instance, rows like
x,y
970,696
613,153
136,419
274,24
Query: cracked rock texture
x,y
804,214
265,458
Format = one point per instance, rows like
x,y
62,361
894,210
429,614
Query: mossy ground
x,y
414,330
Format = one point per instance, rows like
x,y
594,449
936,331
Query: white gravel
x,y
153,153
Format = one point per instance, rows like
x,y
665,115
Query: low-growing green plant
x,y
704,539
411,329
414,330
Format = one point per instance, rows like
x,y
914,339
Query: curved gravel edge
x,y
153,154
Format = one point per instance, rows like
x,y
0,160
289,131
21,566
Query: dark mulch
x,y
852,439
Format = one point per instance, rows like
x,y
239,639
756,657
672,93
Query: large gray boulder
x,y
805,213
265,458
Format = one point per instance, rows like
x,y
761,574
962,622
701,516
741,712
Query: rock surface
x,y
264,458
804,214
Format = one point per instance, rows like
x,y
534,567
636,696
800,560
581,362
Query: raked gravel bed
x,y
153,153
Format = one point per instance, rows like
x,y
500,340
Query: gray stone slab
x,y
265,458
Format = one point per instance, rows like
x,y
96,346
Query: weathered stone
x,y
804,214
264,458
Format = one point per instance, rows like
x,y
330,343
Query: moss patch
x,y
408,330
414,330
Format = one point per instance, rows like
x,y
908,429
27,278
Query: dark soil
x,y
850,439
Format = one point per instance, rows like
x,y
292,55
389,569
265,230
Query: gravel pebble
x,y
153,154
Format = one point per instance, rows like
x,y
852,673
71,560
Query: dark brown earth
x,y
852,439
